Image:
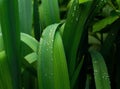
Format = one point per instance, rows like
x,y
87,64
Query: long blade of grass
x,y
5,78
49,12
25,14
100,71
52,68
60,64
11,36
76,73
73,31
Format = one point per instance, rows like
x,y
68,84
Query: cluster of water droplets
x,y
105,75
75,9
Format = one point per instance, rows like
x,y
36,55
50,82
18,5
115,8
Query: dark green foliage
x,y
59,44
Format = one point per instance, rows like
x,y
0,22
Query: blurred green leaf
x,y
25,16
100,70
118,2
98,26
93,40
9,20
49,12
5,78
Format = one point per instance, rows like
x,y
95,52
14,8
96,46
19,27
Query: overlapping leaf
x,y
52,66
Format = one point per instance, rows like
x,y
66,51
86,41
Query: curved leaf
x,y
29,41
32,57
52,67
100,71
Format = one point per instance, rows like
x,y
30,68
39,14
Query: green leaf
x,y
30,41
93,40
25,16
76,73
49,12
118,2
73,31
60,65
52,67
11,35
83,1
31,58
5,78
98,26
100,70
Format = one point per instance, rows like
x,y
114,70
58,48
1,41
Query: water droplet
x,y
105,76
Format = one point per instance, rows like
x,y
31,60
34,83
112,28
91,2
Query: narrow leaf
x,y
49,12
100,71
73,31
98,26
5,78
11,36
25,14
76,73
60,64
29,41
52,67
31,58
